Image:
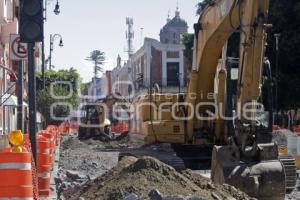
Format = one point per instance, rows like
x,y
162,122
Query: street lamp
x,y
277,37
57,10
52,39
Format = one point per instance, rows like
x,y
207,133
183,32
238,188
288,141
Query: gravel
x,y
90,170
295,195
138,178
80,163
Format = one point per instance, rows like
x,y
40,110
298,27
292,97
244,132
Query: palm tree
x,y
98,58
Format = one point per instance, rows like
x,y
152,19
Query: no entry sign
x,y
18,50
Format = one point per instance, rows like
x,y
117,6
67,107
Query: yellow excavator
x,y
97,118
214,124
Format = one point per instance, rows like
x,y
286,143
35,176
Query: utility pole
x,y
32,98
179,76
20,116
50,53
43,62
56,11
277,36
31,29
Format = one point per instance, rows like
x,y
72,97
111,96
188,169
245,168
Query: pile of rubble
x,y
295,195
80,163
148,178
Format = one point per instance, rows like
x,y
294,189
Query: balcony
x,y
8,21
7,11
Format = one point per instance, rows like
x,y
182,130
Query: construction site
x,y
208,115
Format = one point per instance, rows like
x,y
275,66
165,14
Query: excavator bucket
x,y
264,179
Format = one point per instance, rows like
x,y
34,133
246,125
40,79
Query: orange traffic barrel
x,y
276,128
27,145
44,167
43,151
51,140
296,130
54,131
16,176
61,128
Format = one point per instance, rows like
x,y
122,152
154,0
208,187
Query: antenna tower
x,y
129,36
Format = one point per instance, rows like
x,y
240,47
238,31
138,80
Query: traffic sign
x,y
18,50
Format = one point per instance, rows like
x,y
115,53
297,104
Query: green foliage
x,y
98,58
201,5
188,41
51,76
285,17
46,97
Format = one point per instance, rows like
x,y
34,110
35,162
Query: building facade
x,y
8,26
156,62
122,82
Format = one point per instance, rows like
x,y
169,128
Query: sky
x,y
87,25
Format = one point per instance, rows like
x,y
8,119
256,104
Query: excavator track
x,y
163,153
290,169
195,157
180,157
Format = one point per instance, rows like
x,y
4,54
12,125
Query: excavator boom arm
x,y
215,26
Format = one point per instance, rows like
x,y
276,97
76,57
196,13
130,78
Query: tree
x,y
98,58
201,5
188,41
66,90
285,18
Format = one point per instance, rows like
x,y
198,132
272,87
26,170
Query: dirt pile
x,y
127,142
71,143
136,178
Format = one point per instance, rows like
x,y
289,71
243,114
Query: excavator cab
x,y
93,122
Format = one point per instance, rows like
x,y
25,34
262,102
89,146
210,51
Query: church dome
x,y
171,32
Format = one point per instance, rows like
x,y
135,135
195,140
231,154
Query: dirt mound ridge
x,y
71,143
140,176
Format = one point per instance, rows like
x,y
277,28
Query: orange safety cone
x,y
16,176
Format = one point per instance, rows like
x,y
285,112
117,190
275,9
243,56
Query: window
x,y
172,54
8,11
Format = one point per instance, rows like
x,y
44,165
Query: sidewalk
x,y
53,194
